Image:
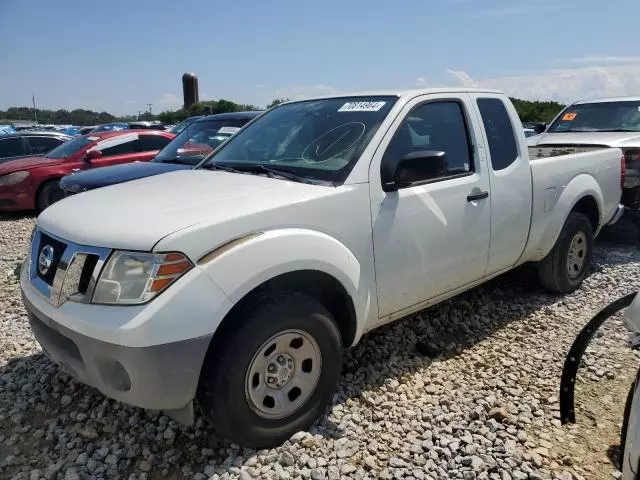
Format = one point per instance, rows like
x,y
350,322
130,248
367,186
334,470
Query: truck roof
x,y
608,99
405,93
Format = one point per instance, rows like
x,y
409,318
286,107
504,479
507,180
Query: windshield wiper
x,y
217,166
176,161
252,169
288,174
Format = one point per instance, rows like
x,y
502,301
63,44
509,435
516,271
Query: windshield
x,y
67,149
198,140
621,116
314,139
176,130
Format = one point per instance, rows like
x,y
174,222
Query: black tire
x,y
222,391
554,273
48,194
625,421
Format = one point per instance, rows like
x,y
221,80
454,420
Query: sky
x,y
117,56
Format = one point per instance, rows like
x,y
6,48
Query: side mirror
x,y
415,167
540,128
92,155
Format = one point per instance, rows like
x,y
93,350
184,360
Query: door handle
x,y
477,196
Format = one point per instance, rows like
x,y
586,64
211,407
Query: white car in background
x,y
592,124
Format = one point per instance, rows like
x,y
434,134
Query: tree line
x,y
529,111
78,116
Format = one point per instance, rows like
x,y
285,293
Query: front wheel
x,y
273,371
567,264
48,194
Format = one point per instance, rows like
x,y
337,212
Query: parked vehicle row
x,y
33,182
195,142
237,283
29,143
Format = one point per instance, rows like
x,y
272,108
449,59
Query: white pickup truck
x,y
589,125
240,282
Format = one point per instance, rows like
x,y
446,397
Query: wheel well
x,y
319,285
589,208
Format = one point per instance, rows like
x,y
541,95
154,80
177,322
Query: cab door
x,y
433,236
510,177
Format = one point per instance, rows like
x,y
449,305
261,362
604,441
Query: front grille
x,y
87,271
73,270
58,249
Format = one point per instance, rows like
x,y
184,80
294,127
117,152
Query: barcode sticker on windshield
x,y
230,130
361,106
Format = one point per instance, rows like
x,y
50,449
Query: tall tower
x,y
190,89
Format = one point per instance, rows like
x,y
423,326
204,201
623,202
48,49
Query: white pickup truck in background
x,y
240,282
590,125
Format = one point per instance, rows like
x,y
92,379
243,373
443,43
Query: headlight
x,y
131,278
13,178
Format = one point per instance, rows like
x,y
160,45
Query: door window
x,y
11,147
497,123
153,142
42,145
120,145
434,126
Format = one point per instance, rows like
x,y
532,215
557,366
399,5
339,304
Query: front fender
x,y
248,264
561,204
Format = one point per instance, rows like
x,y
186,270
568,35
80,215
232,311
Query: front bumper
x,y
16,198
159,377
146,355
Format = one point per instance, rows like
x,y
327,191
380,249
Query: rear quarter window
x,y
503,147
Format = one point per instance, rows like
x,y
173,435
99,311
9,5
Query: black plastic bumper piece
x,y
580,344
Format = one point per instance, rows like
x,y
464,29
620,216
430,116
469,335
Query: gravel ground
x,y
466,390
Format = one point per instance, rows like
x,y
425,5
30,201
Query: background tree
x,y
277,102
537,111
529,111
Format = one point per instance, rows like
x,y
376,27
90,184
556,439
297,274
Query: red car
x,y
32,183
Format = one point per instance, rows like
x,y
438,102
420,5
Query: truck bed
x,y
557,178
546,151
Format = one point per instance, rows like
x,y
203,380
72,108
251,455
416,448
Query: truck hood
x,y
136,215
11,166
101,177
610,139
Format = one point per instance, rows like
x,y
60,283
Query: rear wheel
x,y
48,194
567,264
273,373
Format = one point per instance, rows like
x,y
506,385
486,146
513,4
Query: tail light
x,y
623,170
630,159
